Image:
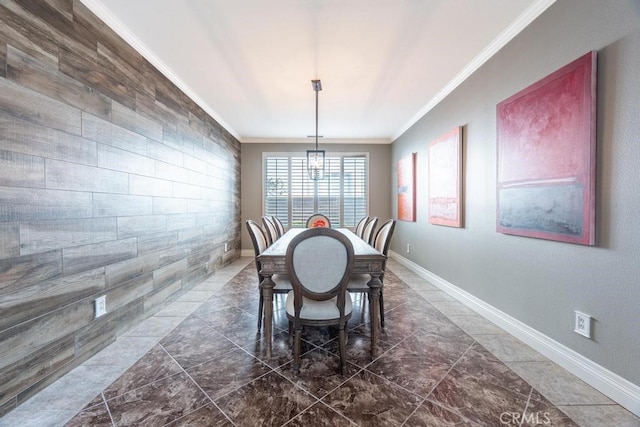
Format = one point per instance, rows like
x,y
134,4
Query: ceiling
x,y
383,63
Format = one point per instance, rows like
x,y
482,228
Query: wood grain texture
x,y
29,138
28,105
70,176
21,169
129,119
41,236
105,204
47,80
112,181
43,297
81,258
29,204
22,271
9,239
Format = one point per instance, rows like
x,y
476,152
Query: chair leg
x,y
260,307
381,309
343,350
296,350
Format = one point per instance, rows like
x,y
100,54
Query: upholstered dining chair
x,y
278,224
360,226
358,282
271,230
319,263
318,220
367,234
259,241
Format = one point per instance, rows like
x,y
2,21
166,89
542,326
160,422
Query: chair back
x,y
271,230
360,226
319,263
278,224
259,241
383,236
318,220
367,234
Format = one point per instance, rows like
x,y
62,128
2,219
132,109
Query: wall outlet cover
x,y
100,306
583,324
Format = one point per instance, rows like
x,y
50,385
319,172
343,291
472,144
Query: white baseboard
x,y
618,389
247,252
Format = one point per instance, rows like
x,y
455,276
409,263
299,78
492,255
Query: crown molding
x,y
322,141
526,18
102,12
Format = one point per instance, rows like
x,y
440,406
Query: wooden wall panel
x,y
31,106
112,182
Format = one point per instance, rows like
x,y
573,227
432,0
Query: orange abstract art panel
x,y
407,188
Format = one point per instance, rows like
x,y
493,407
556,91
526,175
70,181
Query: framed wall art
x,y
547,156
445,179
407,188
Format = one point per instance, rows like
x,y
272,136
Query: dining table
x,y
367,260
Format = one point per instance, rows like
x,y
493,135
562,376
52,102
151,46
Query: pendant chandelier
x,y
315,158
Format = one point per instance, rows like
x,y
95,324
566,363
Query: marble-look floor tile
x,y
480,401
194,342
541,412
558,385
97,416
196,296
74,390
178,309
452,308
224,374
41,417
319,372
358,346
320,415
601,415
237,325
206,416
420,361
480,365
476,325
153,327
430,414
157,403
370,400
269,400
124,352
436,296
153,366
509,349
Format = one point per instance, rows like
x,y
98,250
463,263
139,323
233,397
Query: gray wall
x,y
251,177
542,282
112,182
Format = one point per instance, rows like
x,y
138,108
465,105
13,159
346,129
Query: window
x,y
291,196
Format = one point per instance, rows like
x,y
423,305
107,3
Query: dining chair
x,y
367,234
318,220
278,224
358,282
271,230
319,263
259,241
360,226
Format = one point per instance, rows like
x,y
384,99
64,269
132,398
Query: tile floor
x,y
200,362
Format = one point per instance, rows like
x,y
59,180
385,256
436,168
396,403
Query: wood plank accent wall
x,y
112,182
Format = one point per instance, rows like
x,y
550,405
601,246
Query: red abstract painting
x,y
546,156
406,188
445,179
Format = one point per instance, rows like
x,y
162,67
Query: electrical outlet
x,y
583,324
101,306
408,248
226,247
